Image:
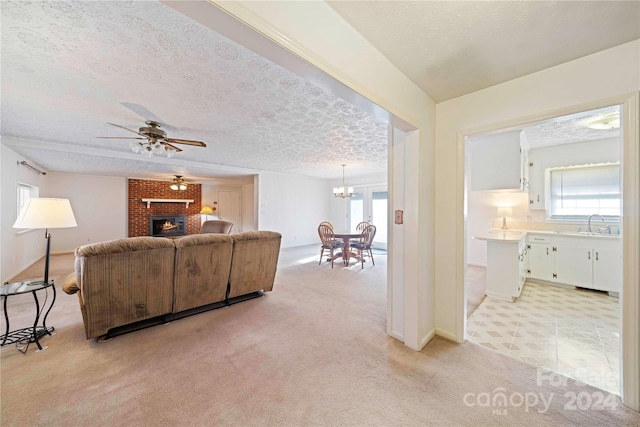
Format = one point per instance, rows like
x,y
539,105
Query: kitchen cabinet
x,y
572,262
535,180
540,253
496,162
607,268
587,261
505,275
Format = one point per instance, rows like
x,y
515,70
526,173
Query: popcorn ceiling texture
x,y
77,65
145,189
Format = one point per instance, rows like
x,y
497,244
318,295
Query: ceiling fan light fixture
x,y
603,122
178,184
156,140
135,147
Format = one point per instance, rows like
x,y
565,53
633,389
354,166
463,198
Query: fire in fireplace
x,y
167,225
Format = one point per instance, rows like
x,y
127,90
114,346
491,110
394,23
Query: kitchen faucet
x,y
602,218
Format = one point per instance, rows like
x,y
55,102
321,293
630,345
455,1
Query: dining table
x,y
346,253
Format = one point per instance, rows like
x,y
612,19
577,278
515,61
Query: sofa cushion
x,y
202,266
124,281
254,262
70,284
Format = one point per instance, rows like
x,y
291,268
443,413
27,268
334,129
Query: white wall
x,y
17,251
99,204
293,205
539,95
249,222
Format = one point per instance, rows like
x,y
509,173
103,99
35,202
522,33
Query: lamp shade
x,y
505,211
206,210
46,213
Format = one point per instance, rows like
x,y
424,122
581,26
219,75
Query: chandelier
x,y
178,183
150,147
340,191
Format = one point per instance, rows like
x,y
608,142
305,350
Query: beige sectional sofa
x,y
139,281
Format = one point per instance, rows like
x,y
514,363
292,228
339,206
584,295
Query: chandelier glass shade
x,y
151,147
178,184
343,191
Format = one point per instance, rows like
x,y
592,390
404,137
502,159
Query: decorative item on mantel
x,y
343,191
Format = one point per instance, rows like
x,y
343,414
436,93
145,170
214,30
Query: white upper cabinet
x,y
496,161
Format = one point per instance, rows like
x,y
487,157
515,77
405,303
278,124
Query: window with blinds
x,y
581,191
25,192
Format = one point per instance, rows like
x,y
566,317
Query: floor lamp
x,y
46,213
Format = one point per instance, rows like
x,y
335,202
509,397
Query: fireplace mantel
x,y
185,201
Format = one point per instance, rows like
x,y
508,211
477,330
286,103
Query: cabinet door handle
x,y
538,197
547,251
596,256
588,254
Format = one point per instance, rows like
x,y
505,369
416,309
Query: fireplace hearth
x,y
167,225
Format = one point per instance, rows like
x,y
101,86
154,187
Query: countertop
x,y
509,235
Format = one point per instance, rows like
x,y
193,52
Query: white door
x,y
230,209
370,204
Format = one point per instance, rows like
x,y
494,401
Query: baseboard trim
x,y
396,335
447,335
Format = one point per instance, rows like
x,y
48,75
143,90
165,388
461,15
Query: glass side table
x,y
25,336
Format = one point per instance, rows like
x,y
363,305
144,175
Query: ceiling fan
x,y
178,183
156,141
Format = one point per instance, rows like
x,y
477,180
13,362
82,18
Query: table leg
x,y
6,321
44,320
35,323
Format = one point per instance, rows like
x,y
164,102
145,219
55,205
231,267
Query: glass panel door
x,y
356,208
379,215
370,204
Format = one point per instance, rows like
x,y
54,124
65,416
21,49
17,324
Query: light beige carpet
x,y
312,352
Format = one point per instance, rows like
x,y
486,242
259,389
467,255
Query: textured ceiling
x,y
68,68
567,129
451,48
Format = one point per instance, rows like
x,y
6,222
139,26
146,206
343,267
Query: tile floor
x,y
569,331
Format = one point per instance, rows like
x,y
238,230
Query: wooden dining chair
x,y
364,244
362,225
329,241
327,223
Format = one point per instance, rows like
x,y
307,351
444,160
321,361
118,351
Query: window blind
x,y
582,191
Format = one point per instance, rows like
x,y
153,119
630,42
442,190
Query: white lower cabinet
x,y
505,276
607,268
539,251
586,262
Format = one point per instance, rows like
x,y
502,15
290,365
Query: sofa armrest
x,y
70,284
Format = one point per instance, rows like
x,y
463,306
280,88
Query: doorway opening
x,y
554,314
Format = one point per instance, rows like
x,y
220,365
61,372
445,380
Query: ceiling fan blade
x,y
186,142
173,147
122,127
119,137
146,114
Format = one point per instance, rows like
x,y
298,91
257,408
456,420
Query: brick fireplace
x,y
140,215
